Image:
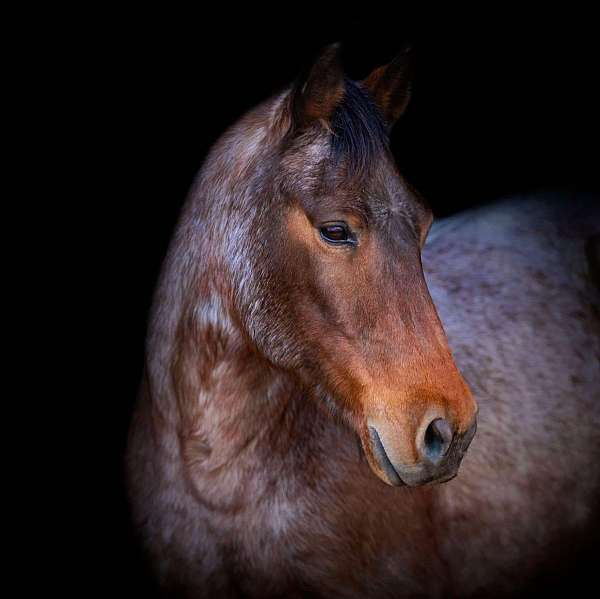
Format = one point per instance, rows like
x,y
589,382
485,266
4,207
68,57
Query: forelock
x,y
358,132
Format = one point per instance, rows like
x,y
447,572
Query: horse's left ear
x,y
390,86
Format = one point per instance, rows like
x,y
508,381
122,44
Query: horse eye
x,y
335,233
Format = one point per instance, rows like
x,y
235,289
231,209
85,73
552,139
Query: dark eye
x,y
335,233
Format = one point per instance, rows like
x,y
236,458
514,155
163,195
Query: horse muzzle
x,y
439,453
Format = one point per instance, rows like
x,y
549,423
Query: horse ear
x,y
390,86
316,96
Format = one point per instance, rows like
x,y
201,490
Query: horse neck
x,y
224,406
210,390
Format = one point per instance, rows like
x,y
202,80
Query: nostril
x,y
438,437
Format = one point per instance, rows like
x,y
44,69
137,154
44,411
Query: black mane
x,y
359,132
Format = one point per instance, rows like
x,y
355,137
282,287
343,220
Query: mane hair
x,y
358,131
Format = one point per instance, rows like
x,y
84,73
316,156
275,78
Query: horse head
x,y
327,268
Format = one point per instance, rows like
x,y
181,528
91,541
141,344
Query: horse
x,y
302,402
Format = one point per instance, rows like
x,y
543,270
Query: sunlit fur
x,y
267,351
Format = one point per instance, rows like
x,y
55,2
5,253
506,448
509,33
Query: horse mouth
x,y
383,460
423,472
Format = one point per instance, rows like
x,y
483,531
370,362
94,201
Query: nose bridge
x,y
419,411
419,369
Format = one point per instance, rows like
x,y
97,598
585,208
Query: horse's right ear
x,y
316,96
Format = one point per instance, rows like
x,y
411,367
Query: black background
x,y
503,103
